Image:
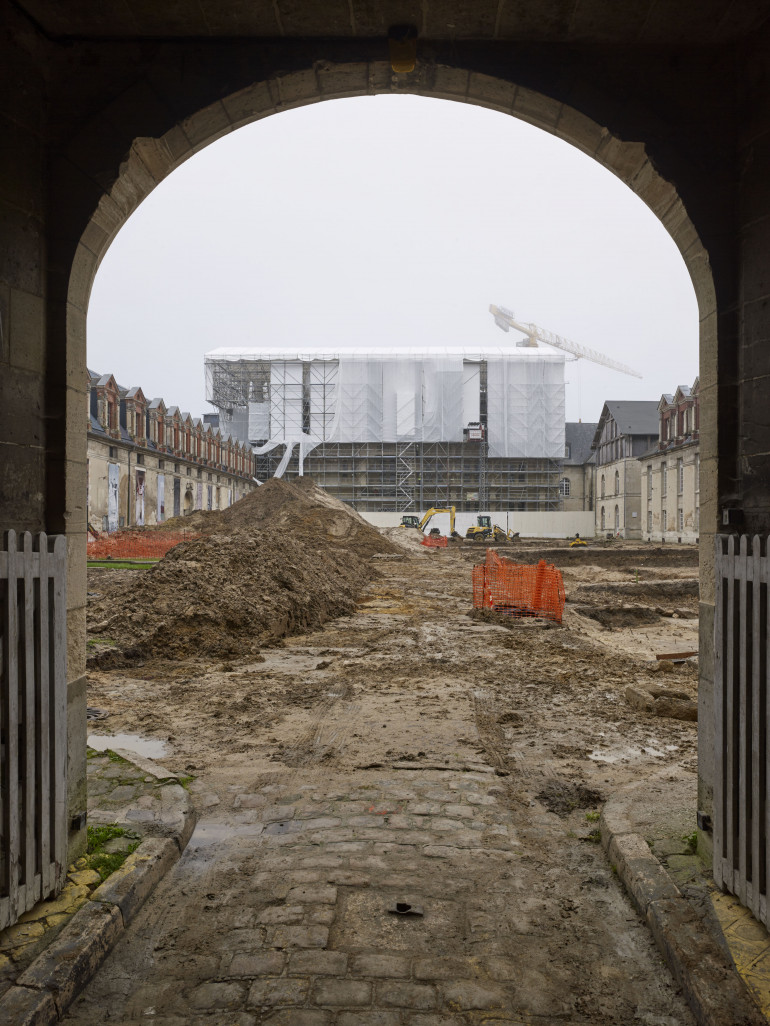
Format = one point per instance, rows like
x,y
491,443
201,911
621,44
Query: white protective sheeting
x,y
259,421
405,394
358,416
525,407
323,397
286,400
471,392
442,400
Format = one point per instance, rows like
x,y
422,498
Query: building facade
x,y
626,430
401,428
671,471
576,484
148,462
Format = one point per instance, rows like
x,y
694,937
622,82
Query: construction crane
x,y
506,320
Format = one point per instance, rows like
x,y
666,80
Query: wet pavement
x,y
281,911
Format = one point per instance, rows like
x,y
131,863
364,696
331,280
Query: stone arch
x,y
150,160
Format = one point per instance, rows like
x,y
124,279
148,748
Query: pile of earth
x,y
283,560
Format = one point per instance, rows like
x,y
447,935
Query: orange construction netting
x,y
435,541
518,590
137,544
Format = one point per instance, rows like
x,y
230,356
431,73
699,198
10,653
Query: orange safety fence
x,y
137,544
518,590
435,541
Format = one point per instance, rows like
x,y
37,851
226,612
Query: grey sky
x,y
392,219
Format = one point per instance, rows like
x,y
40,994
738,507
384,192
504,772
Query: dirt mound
x,y
282,561
407,538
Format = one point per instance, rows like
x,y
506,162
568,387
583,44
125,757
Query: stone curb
x,y
712,987
46,989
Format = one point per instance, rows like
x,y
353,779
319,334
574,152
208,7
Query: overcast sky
x,y
392,220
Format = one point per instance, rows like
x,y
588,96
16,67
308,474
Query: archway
x,y
150,160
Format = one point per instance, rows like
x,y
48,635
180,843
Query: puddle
x,y
149,747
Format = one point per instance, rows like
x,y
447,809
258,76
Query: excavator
x,y
412,520
484,530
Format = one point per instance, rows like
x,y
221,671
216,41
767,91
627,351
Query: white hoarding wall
x,y
394,395
529,524
525,407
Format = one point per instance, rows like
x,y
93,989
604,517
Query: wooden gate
x,y
33,727
741,774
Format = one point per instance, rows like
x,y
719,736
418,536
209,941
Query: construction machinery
x,y
411,520
506,319
484,530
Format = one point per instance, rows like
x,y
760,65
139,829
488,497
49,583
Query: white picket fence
x,y
33,728
742,721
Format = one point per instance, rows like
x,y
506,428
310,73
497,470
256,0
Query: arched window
x,y
617,519
602,487
564,486
617,482
604,525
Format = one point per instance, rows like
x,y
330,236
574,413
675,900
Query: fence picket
x,y
43,815
743,725
742,720
33,789
719,716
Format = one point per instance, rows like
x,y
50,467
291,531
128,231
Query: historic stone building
x,y
671,470
148,462
625,431
576,485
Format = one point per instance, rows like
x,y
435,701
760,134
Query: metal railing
x,y
33,721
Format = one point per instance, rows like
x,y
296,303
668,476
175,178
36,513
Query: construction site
x,y
367,723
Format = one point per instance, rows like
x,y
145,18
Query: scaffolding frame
x,y
406,477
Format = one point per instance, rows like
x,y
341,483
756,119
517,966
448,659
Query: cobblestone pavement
x,y
119,792
282,913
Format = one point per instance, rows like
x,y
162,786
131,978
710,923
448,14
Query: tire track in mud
x,y
323,740
526,780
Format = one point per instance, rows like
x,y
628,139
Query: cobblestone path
x,y
283,917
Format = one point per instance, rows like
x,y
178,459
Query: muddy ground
x,y
411,685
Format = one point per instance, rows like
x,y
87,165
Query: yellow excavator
x,y
412,520
484,530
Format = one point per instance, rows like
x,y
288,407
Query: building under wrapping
x,y
401,428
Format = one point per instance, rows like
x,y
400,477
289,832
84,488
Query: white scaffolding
x,y
398,395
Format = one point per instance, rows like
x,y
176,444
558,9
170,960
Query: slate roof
x,y
579,436
633,417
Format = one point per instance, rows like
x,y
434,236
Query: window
x,y
200,474
617,519
649,520
161,464
664,520
603,520
566,452
113,452
189,471
649,482
602,490
663,479
176,468
679,476
140,458
680,519
564,486
617,482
